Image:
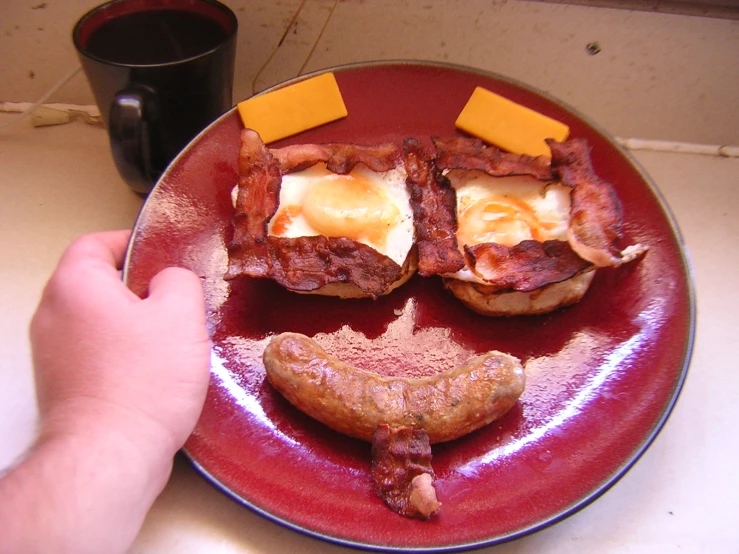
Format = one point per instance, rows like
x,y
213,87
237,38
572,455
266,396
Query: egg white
x,y
548,204
398,239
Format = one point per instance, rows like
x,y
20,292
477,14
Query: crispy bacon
x,y
595,210
339,158
303,263
525,267
434,213
300,156
309,263
595,215
257,201
401,468
473,154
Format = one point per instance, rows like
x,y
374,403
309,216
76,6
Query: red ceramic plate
x,y
603,375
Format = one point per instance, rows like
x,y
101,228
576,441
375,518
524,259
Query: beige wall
x,y
657,75
710,8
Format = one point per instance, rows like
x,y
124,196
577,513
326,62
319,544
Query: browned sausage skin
x,y
354,401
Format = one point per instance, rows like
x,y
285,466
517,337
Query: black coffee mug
x,y
161,71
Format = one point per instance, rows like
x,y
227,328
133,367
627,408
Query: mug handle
x,y
131,129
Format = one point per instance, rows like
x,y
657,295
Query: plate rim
x,y
685,262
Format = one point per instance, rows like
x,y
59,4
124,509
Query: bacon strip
x,y
339,158
303,263
525,267
434,206
257,201
401,468
596,214
473,154
309,263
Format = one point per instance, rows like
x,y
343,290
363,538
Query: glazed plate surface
x,y
602,376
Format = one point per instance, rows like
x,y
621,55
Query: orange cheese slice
x,y
510,126
294,108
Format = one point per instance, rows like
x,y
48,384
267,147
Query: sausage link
x,y
354,401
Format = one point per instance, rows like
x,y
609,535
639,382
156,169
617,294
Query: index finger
x,y
108,247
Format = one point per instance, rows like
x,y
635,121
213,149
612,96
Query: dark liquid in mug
x,y
154,37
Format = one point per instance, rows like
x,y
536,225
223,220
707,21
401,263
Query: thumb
x,y
177,285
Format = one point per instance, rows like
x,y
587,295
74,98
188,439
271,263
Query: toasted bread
x,y
489,301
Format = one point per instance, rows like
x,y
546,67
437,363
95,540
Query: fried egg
x,y
370,207
507,211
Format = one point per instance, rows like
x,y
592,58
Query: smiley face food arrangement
x,y
505,232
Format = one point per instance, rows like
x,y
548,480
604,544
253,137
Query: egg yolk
x,y
284,218
350,206
499,219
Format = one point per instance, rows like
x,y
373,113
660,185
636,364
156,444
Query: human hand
x,y
120,381
107,358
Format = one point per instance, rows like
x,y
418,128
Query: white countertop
x,y
681,496
60,182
